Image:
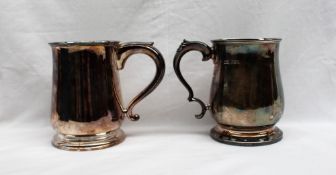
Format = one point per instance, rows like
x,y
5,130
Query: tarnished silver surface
x,y
246,91
87,106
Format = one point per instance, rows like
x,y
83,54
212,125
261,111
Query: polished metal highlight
x,y
246,97
87,109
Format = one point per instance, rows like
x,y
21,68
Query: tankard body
x,y
87,109
246,97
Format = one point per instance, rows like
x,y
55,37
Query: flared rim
x,y
247,40
83,43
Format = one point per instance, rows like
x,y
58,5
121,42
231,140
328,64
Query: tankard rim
x,y
247,40
83,43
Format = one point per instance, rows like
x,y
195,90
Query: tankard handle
x,y
131,48
185,47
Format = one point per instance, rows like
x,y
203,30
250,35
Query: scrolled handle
x,y
187,46
131,48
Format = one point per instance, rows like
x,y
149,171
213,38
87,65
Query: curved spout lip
x,y
83,43
247,40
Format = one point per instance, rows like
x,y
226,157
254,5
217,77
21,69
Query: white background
x,y
167,139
